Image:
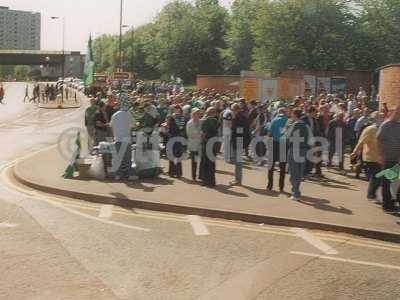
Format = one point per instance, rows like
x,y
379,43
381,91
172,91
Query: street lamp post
x,y
120,38
133,49
63,56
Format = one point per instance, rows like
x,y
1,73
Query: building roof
x,y
389,66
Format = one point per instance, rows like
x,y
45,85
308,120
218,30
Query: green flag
x,y
392,174
70,170
88,74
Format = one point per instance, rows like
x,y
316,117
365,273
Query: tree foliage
x,y
202,37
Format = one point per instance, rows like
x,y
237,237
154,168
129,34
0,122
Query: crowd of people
x,y
47,93
301,137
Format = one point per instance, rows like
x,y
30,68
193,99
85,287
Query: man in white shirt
x,y
121,124
361,93
227,117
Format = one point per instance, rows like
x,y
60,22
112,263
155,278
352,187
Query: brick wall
x,y
389,89
219,82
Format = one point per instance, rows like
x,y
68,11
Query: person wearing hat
x,y
193,132
122,123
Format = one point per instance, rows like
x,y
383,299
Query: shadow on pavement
x,y
323,204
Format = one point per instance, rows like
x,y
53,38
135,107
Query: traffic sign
x,y
121,75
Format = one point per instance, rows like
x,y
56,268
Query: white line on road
x,y
78,213
198,226
8,225
351,261
313,240
106,211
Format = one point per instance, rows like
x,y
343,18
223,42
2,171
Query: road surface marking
x,y
78,213
159,216
271,230
106,211
351,261
316,242
198,226
8,225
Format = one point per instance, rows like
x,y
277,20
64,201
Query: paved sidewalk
x,y
338,204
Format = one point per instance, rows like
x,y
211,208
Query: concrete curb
x,y
210,212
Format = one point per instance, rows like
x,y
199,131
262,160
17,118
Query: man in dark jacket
x,y
312,122
239,124
299,137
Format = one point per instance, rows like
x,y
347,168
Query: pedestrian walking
x,y
2,94
239,123
122,124
227,116
279,149
337,137
193,132
299,137
389,151
101,124
26,97
176,129
368,147
209,130
311,121
90,114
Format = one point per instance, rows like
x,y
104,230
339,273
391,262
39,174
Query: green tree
x,y
378,33
174,50
21,72
239,37
304,34
210,20
138,44
6,71
105,51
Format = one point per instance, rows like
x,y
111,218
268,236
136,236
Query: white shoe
x,y
133,178
293,198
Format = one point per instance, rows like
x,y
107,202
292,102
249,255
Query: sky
x,y
86,16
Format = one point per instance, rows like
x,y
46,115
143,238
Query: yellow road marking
x,y
248,227
271,230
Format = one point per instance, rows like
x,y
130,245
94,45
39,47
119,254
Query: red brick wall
x,y
219,82
389,89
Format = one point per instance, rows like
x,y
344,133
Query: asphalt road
x,y
58,248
